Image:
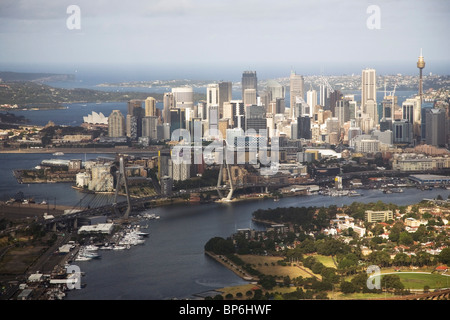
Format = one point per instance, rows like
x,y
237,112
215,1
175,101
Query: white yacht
x,y
91,247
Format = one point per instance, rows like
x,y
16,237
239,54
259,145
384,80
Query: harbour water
x,y
74,112
172,263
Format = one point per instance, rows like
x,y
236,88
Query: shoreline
x,y
231,267
76,151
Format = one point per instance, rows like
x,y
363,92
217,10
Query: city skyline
x,y
186,37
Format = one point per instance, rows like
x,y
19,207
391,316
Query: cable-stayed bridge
x,y
103,204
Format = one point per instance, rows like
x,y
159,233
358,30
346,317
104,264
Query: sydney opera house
x,y
95,118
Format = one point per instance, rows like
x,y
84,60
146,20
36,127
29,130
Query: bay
x,y
172,263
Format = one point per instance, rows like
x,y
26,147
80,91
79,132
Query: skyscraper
x,y
212,94
249,81
225,95
116,124
403,132
311,100
250,97
177,119
296,83
213,120
134,107
369,94
436,131
368,86
275,89
169,103
333,99
304,127
184,97
411,111
150,107
149,127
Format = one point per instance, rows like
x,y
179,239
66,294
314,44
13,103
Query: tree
x,y
402,259
405,238
317,267
444,256
347,287
380,258
267,282
359,281
420,234
219,245
392,281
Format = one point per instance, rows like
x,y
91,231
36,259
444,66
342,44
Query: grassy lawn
x,y
268,265
327,261
420,280
17,260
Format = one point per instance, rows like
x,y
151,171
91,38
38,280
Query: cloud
x,y
221,31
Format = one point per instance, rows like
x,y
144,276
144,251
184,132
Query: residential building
x,y
376,216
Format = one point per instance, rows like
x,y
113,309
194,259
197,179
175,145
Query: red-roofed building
x,y
441,268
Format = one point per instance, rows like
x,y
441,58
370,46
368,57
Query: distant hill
x,y
28,94
39,77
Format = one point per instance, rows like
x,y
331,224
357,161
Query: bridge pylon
x,y
219,180
122,179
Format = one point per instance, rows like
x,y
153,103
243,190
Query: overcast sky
x,y
307,35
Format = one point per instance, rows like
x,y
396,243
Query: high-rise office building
x,y
436,127
311,100
403,132
249,81
225,94
296,83
132,126
116,124
213,120
250,97
169,103
212,94
184,97
134,118
342,111
238,113
408,111
275,90
333,99
280,106
369,86
150,127
411,111
304,127
177,119
323,95
150,107
135,107
371,110
369,94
